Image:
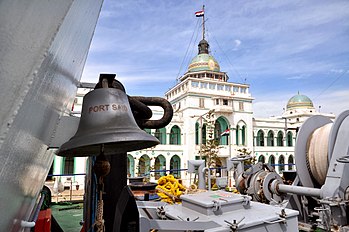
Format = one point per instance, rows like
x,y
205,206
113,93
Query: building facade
x,y
202,92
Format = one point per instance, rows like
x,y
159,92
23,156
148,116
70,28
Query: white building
x,y
275,137
202,89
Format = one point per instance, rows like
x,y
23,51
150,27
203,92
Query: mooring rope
x,y
99,223
317,153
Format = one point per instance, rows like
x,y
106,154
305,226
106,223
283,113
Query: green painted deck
x,y
68,216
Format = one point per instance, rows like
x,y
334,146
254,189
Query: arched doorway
x,y
130,166
160,164
144,165
175,165
261,159
69,165
281,163
271,161
290,162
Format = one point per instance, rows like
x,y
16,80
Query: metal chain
x,y
142,112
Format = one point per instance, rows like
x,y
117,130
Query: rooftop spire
x,y
203,45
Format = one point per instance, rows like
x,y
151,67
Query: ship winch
x,y
320,190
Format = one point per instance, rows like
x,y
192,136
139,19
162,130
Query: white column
x,y
240,136
168,137
168,160
233,133
136,165
152,167
57,165
80,168
230,140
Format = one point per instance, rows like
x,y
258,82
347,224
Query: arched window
x,y
237,134
69,165
175,165
160,134
220,126
271,160
281,163
280,139
289,139
261,159
197,128
203,134
144,165
160,164
270,139
260,138
175,135
290,162
130,166
243,135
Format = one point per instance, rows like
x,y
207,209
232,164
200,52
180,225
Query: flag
x,y
199,13
226,132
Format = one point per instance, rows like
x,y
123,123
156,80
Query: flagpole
x,y
203,22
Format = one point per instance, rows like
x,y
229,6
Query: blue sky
x,y
278,47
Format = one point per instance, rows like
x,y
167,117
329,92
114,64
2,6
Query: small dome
x,y
203,62
299,101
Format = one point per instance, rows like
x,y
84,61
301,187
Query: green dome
x,y
203,62
299,101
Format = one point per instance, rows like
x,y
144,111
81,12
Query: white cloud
x,y
298,77
273,104
333,101
268,108
237,44
337,70
291,45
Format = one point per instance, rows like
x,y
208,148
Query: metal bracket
x,y
234,226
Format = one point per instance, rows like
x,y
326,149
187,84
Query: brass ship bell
x,y
106,120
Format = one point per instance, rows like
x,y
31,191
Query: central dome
x,y
203,62
299,101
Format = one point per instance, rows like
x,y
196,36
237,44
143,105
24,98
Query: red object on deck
x,y
43,224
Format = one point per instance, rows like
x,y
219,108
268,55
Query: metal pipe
x,y
201,177
299,190
27,224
